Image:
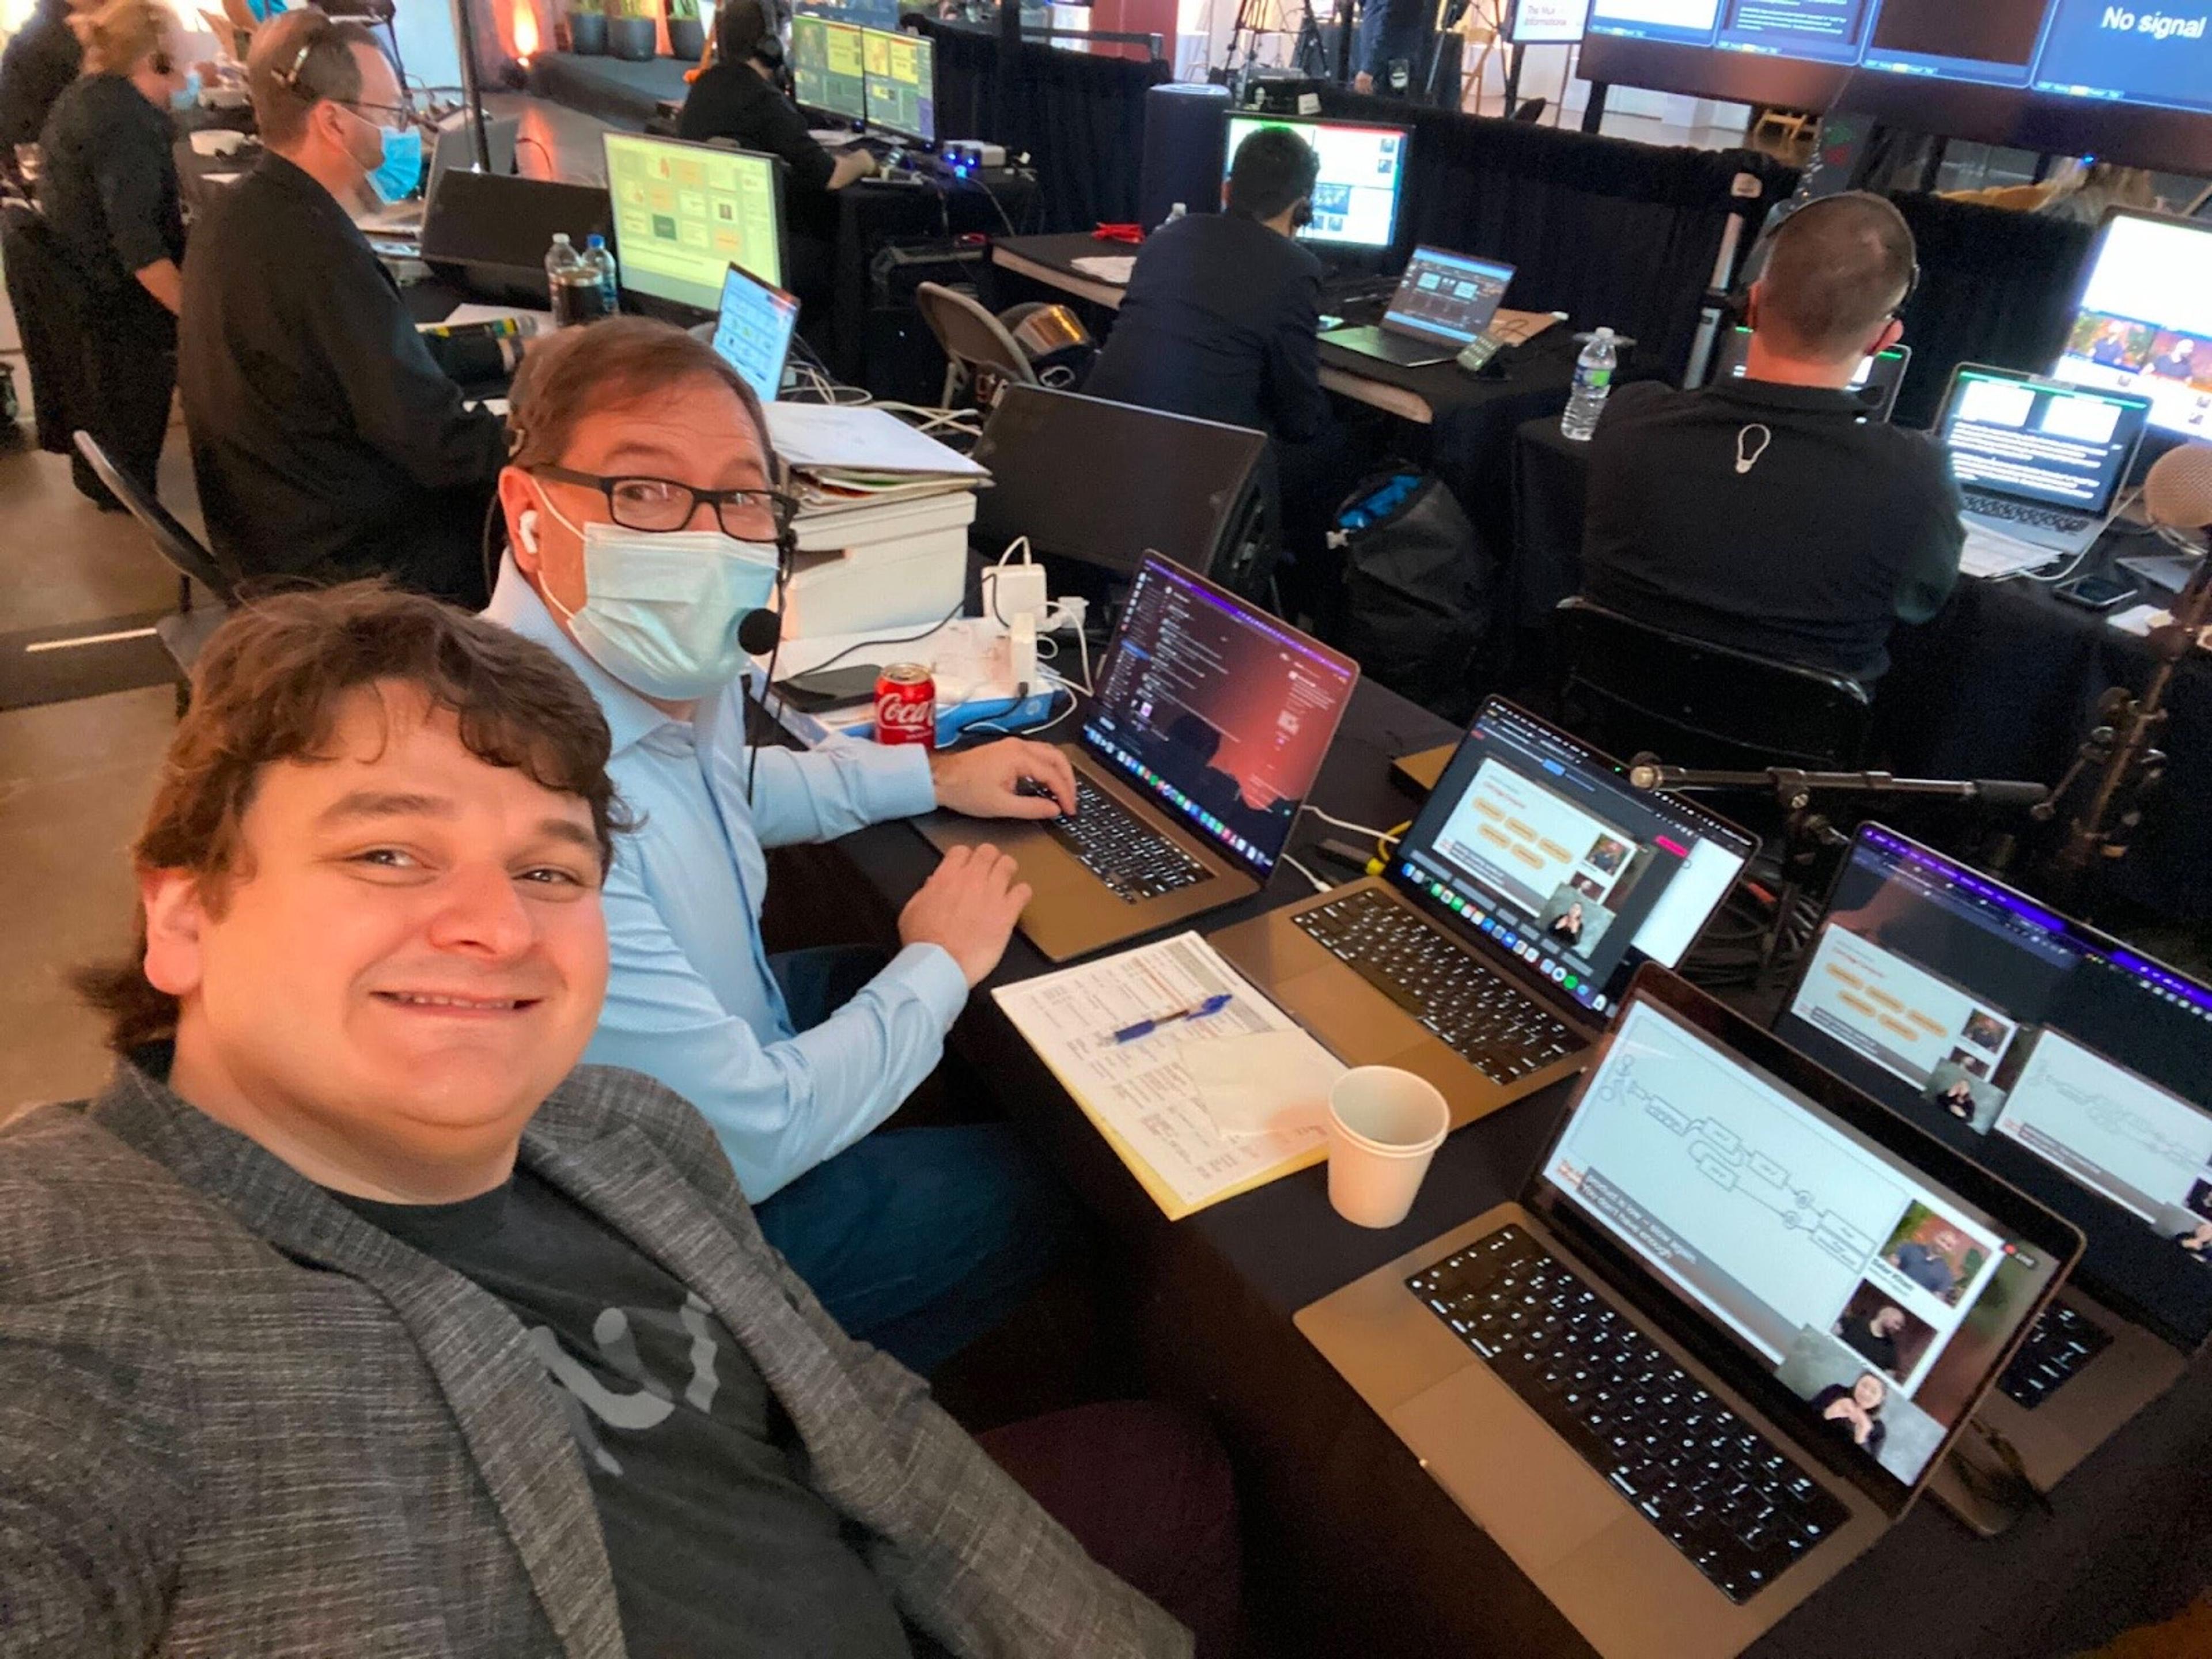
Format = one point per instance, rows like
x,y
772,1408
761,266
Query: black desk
x,y
1352,1548
2003,684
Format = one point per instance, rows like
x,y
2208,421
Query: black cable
x,y
786,545
552,169
903,639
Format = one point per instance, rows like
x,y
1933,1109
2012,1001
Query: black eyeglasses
x,y
398,117
661,505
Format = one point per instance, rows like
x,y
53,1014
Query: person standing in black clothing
x,y
737,99
326,441
109,192
1766,513
42,58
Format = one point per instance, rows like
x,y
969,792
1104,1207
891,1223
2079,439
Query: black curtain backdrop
x,y
1080,117
1609,231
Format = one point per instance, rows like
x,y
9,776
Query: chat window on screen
x,y
1829,30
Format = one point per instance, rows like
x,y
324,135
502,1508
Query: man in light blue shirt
x,y
643,519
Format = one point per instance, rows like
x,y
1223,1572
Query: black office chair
x,y
1629,689
183,635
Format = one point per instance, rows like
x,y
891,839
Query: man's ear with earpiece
x,y
526,530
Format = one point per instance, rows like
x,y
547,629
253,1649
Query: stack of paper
x,y
846,459
1991,554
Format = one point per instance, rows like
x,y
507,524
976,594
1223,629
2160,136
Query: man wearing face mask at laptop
x,y
326,442
643,519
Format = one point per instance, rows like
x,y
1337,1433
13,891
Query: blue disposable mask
x,y
662,609
188,96
401,170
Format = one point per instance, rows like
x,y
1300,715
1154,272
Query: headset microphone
x,y
760,631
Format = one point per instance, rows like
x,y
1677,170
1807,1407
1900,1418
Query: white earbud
x,y
525,528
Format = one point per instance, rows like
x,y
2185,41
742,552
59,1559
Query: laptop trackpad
x,y
1506,1468
1357,1022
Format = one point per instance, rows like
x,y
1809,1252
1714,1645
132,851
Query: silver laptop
x,y
1443,302
2038,460
1489,953
1210,722
2059,1060
1630,1379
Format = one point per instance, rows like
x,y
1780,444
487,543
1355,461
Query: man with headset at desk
x,y
641,506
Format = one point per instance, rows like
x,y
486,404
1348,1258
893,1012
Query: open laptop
x,y
752,330
1879,379
1630,1379
2057,1059
496,228
1489,954
1443,302
2038,460
1210,722
455,149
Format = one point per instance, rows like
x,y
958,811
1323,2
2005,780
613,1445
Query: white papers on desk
x,y
1989,553
1113,268
1144,1099
461,316
832,438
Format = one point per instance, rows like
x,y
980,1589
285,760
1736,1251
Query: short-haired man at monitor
x,y
326,441
353,1317
1763,514
918,1240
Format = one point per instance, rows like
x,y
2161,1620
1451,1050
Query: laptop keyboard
x,y
2059,1344
1730,1499
1134,860
2049,517
1501,1031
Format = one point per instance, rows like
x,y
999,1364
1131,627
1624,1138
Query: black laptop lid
x,y
502,225
1106,483
1771,1217
2048,1053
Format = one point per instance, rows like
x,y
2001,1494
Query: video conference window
x,y
2051,1056
1879,1299
1219,710
1355,200
2145,324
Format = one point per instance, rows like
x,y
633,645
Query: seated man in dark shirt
x,y
326,441
736,99
1764,514
354,1318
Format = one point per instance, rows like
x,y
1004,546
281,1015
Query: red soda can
x,y
906,705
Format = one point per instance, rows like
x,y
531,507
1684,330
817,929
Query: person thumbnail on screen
x,y
2113,342
1859,1404
1884,1334
1959,1087
1933,1253
2196,1243
1574,917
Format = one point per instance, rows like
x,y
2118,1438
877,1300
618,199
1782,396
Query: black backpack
x,y
1416,594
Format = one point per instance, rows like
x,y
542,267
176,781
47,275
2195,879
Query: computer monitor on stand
x,y
1361,189
826,68
900,72
2143,323
684,214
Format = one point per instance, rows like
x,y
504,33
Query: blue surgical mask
x,y
662,608
401,170
188,96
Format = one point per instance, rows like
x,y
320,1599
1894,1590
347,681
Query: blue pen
x,y
1213,1004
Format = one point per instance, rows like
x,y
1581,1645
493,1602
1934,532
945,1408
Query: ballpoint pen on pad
x,y
1213,1004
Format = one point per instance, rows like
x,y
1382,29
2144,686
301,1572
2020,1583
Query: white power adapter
x,y
1015,590
1022,652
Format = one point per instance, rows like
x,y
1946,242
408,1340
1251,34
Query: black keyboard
x,y
2059,1344
1739,1506
1506,1033
1134,860
2051,518
1351,293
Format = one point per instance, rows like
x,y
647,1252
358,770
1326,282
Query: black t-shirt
x,y
732,102
718,1546
109,187
1770,519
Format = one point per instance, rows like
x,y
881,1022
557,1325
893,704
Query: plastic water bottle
x,y
599,259
1593,384
564,272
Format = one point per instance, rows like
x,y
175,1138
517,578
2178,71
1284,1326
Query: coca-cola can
x,y
906,705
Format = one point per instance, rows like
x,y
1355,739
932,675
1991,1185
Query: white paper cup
x,y
1384,1127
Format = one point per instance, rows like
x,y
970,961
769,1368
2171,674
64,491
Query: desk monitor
x,y
825,67
685,213
497,228
1106,483
2144,322
1877,383
1362,177
901,72
752,331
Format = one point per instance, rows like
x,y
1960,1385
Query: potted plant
x,y
587,28
687,35
634,30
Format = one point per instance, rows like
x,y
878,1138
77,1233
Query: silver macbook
x,y
2037,460
1632,1380
1443,302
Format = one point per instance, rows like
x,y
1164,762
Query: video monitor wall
x,y
825,67
685,213
2127,81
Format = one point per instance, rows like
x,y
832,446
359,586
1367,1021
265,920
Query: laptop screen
x,y
2049,1053
1849,1287
1221,712
1447,296
752,331
1879,379
1540,846
2036,440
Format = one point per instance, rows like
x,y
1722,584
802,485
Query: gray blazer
x,y
237,1421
